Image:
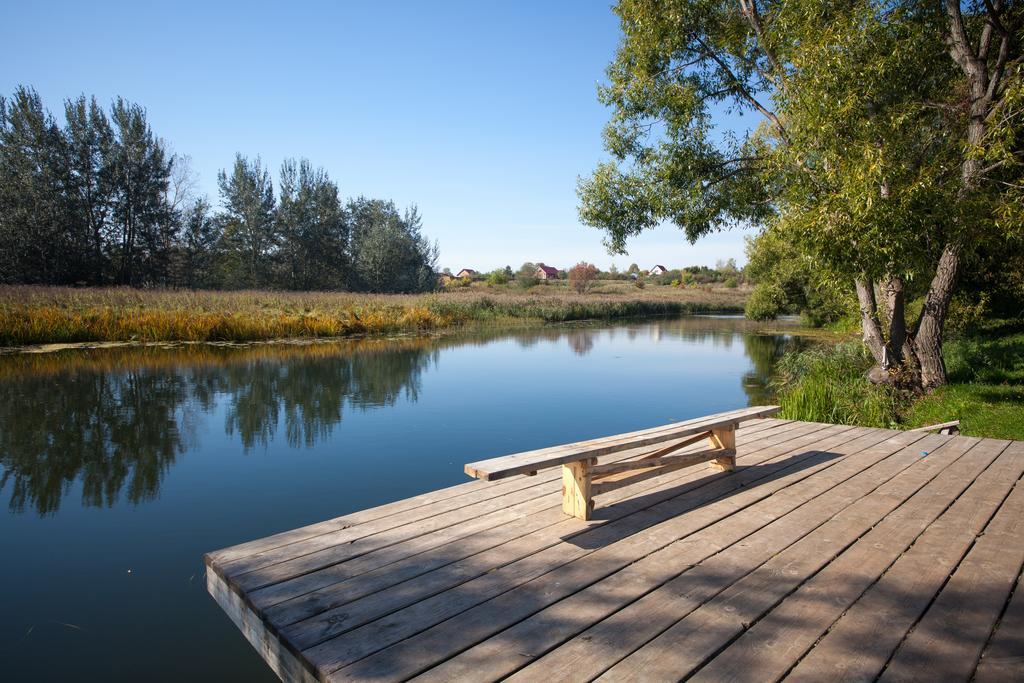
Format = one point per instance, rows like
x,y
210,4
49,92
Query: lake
x,y
120,467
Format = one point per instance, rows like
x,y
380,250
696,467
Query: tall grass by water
x,y
985,368
48,315
828,384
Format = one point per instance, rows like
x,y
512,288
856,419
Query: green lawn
x,y
986,390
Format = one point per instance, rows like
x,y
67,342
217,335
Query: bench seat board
x,y
530,462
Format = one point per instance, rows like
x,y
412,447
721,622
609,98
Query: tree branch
x,y
741,89
749,9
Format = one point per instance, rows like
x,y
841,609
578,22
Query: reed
x,y
47,315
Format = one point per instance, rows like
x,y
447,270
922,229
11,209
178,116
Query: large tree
x,y
389,251
90,152
313,229
36,244
874,152
250,237
143,223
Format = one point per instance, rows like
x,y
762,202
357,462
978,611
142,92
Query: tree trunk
x,y
872,330
928,338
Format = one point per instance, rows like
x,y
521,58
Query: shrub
x,y
766,302
582,276
497,277
527,276
732,283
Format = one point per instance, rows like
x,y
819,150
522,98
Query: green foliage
x,y
196,257
885,142
498,277
250,232
87,203
526,276
789,281
313,229
826,384
986,391
102,201
766,302
389,252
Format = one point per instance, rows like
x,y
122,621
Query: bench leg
x,y
725,439
576,500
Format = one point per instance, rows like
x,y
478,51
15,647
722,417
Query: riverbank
x,y
985,367
54,315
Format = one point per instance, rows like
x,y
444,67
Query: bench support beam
x,y
725,441
576,497
584,479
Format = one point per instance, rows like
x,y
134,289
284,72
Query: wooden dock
x,y
829,553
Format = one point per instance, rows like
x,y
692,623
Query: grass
x,y
54,315
985,368
986,389
827,384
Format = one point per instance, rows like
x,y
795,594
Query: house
x,y
467,273
443,278
657,270
546,272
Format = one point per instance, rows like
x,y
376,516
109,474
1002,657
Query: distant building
x,y
546,272
657,270
467,273
444,278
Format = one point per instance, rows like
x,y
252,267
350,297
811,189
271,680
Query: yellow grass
x,y
40,315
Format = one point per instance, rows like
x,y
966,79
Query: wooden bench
x,y
583,478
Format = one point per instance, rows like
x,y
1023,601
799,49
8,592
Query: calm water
x,y
120,468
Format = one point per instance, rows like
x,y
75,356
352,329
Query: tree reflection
x,y
115,420
118,427
581,341
114,432
764,351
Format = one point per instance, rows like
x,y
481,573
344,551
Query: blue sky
x,y
483,114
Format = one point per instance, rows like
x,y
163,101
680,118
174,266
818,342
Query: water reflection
x,y
115,420
119,418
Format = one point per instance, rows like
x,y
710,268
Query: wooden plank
x,y
521,598
940,427
904,591
385,557
947,641
707,629
779,639
335,592
283,662
331,587
594,447
264,569
601,471
634,439
1003,659
233,561
537,553
420,506
503,654
520,463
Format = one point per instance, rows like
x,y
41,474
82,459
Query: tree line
x,y
102,200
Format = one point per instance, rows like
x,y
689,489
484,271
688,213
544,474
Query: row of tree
x,y
101,200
